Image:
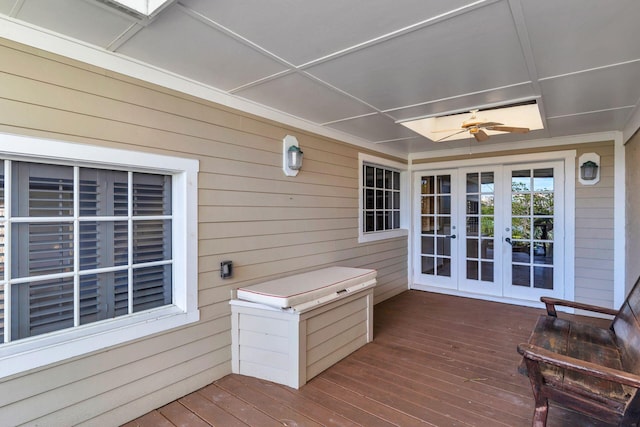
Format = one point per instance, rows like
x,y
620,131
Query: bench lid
x,y
298,289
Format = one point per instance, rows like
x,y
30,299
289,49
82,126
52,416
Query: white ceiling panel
x,y
585,92
184,45
304,97
588,123
359,66
573,35
475,51
375,128
6,6
75,18
506,95
301,31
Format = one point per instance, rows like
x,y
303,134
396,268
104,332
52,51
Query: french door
x,y
492,230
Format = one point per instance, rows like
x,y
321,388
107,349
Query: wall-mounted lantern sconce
x,y
291,156
589,169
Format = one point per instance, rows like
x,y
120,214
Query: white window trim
x,y
42,350
403,231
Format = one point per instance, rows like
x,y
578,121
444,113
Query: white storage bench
x,y
289,330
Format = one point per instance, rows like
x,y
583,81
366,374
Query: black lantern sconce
x,y
589,169
291,156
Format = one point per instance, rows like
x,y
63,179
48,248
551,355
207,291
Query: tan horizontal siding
x,y
594,243
632,222
270,225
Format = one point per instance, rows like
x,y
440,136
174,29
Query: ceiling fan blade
x,y
481,136
488,124
508,129
448,136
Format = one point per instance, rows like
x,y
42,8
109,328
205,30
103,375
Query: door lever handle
x,y
508,240
453,236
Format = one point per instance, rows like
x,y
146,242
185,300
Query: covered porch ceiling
x,y
354,70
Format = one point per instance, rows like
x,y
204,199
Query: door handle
x,y
508,240
453,236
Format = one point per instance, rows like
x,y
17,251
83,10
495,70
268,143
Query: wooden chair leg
x,y
542,403
540,413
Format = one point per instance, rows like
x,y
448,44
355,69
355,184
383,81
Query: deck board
x,y
436,360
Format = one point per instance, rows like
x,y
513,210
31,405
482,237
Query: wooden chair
x,y
592,370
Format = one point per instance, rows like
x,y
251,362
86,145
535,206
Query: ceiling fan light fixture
x,y
521,119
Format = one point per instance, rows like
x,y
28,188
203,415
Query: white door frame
x,y
566,156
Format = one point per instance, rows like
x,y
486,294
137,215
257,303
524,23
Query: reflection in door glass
x,y
532,210
479,219
436,225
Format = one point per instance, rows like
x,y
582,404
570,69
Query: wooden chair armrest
x,y
540,354
550,303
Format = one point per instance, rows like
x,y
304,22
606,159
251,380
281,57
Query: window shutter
x,y
151,241
42,246
39,248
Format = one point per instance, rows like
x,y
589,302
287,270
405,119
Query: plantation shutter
x,y
41,248
42,245
151,241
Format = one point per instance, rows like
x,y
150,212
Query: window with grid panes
x,y
98,247
381,198
81,245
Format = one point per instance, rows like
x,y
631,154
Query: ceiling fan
x,y
476,127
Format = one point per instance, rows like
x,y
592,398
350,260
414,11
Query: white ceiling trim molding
x,y
478,148
49,41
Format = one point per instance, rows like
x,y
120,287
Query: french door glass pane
x,y
532,210
428,205
428,245
472,270
520,275
436,222
543,277
427,185
428,225
487,271
428,265
444,267
480,222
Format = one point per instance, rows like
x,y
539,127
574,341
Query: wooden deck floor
x,y
435,360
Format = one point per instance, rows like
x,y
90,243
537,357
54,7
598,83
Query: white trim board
x,y
476,148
